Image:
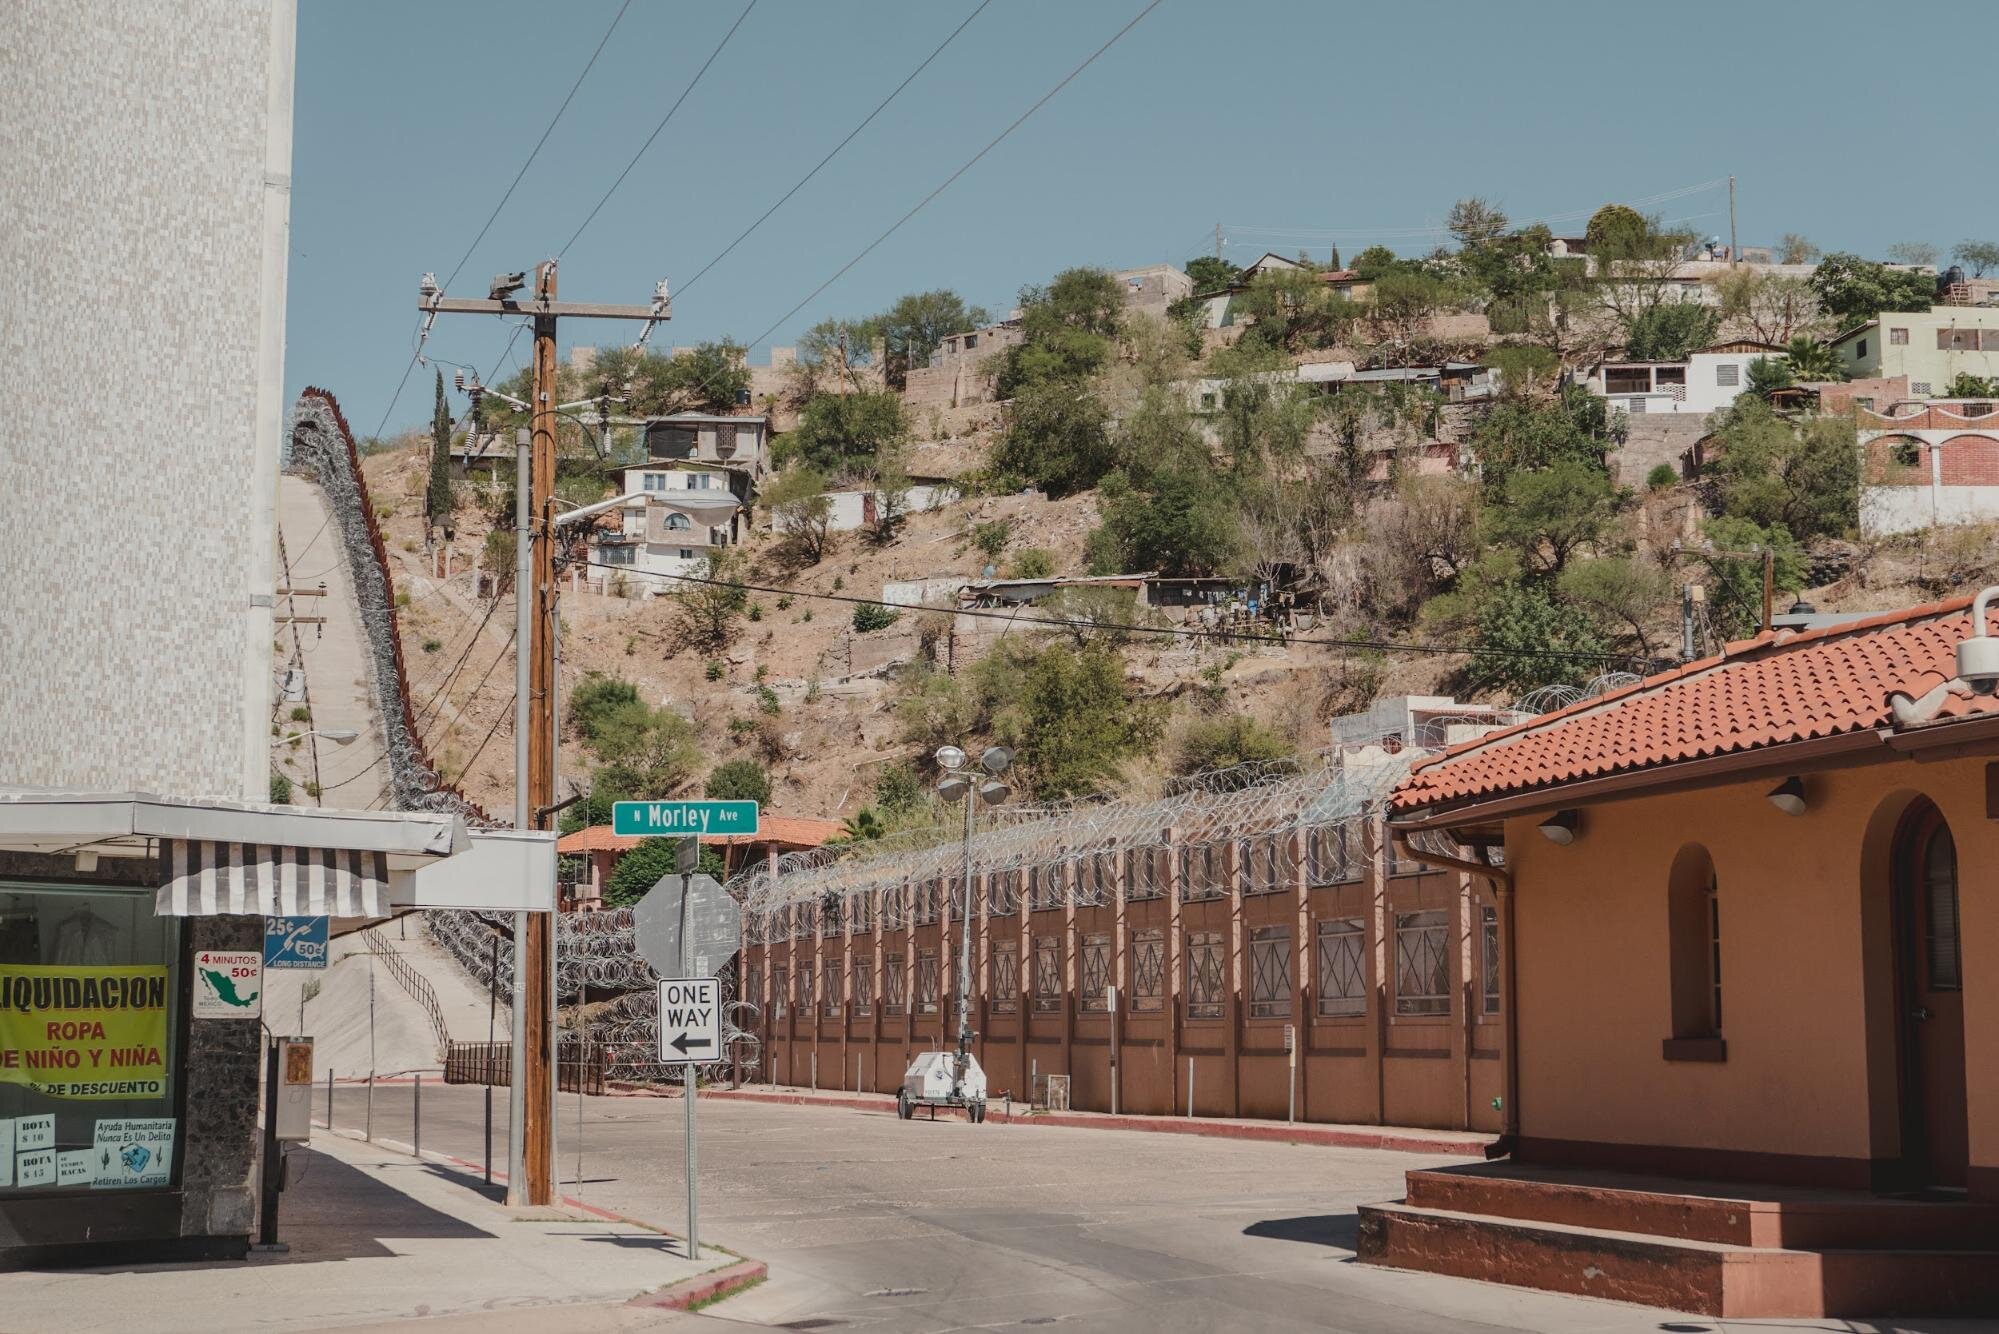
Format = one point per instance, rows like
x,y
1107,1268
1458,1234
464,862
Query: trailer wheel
x,y
902,1106
978,1113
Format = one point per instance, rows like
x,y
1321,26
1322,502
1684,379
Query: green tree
x,y
1371,263
1978,256
1812,360
1524,433
992,536
1033,563
439,499
1770,472
1069,716
1735,576
1212,274
646,865
1852,289
1795,248
1966,385
1670,331
800,509
738,780
1547,514
842,433
872,616
1173,517
1068,331
1521,633
596,703
1615,228
1205,745
897,789
1292,310
648,754
1768,375
1057,436
709,609
912,328
1623,593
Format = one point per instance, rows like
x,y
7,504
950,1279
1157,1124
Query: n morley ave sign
x,y
690,1020
666,819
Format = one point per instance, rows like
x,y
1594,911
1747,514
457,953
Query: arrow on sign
x,y
683,1041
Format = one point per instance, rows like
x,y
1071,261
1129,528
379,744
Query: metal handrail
x,y
416,984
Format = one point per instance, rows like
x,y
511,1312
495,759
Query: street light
x,y
959,783
339,736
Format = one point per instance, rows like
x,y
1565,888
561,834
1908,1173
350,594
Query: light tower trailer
x,y
931,1081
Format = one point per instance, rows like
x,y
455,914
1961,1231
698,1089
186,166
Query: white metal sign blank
x,y
690,1020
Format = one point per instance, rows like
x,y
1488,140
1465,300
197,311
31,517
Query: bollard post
x,y
815,1072
1190,1087
416,1115
329,1097
368,1118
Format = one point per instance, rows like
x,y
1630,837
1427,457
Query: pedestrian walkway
x,y
381,1238
1405,1139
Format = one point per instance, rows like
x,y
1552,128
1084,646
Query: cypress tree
x,y
439,500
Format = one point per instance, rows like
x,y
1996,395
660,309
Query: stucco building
x,y
1930,348
1751,953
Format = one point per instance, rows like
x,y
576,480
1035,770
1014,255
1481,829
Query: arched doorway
x,y
1929,969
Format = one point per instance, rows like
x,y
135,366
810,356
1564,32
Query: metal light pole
x,y
962,782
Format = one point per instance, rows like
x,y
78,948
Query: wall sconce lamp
x,y
1560,828
1789,796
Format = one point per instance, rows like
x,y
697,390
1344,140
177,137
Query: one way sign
x,y
690,1020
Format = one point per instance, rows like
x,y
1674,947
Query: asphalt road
x,y
871,1223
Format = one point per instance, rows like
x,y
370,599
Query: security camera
x,y
505,285
1978,653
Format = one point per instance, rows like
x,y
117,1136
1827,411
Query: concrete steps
x,y
1696,1249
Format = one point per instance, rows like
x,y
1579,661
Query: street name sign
x,y
690,908
668,818
690,1020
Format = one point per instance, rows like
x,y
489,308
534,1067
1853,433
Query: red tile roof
x,y
787,831
1776,688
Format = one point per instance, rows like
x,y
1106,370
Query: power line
x,y
969,164
1082,624
591,217
868,120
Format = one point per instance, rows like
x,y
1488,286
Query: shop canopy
x,y
223,857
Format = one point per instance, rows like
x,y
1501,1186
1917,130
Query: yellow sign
x,y
85,1032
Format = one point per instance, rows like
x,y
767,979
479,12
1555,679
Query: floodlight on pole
x,y
949,758
959,783
995,760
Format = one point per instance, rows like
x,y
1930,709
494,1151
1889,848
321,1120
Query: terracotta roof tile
x,y
1765,691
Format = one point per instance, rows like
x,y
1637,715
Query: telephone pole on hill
x,y
530,1139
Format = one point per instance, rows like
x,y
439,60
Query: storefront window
x,y
89,1041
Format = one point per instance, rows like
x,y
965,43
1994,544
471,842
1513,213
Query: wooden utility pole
x,y
534,954
1734,249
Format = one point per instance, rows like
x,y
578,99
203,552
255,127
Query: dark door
x,y
1937,1139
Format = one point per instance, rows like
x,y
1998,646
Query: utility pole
x,y
531,1128
1734,249
1218,240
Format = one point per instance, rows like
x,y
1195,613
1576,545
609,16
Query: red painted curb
x,y
1401,1141
705,1287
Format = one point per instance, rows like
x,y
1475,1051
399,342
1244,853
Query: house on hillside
x,y
691,498
1153,288
1930,348
1702,382
1752,944
962,369
1928,462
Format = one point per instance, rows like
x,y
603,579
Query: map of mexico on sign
x,y
665,818
690,1020
228,984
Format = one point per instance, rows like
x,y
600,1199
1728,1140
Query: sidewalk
x,y
380,1238
1405,1139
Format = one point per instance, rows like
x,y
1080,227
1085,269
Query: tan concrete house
x,y
1753,929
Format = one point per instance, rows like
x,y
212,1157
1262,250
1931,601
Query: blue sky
x,y
1304,117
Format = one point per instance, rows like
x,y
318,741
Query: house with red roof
x,y
598,850
1753,981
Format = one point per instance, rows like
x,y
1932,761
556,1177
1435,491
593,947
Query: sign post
x,y
690,1034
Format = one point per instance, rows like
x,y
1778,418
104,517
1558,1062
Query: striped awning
x,y
203,879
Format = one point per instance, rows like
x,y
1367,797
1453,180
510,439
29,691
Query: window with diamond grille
x,y
1204,975
864,984
926,903
926,981
864,912
1006,978
1096,972
753,980
1422,963
805,921
1148,970
892,984
1329,855
1201,872
829,915
1141,874
1002,893
831,1006
1257,865
1488,939
1270,973
1047,973
780,991
1083,875
808,995
1342,967
1400,863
